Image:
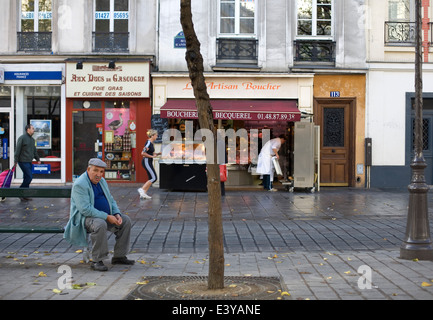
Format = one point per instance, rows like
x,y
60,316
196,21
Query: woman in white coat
x,y
265,166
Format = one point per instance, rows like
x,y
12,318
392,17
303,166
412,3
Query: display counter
x,y
183,167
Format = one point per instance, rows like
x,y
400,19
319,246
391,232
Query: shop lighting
x,y
79,65
111,65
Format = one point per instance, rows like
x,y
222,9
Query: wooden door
x,y
336,123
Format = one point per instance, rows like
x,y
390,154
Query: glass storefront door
x,y
87,138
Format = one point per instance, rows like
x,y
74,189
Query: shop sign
x,y
246,116
33,75
97,80
41,169
238,88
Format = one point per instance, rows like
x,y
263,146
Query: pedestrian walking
x,y
94,210
264,161
25,152
148,155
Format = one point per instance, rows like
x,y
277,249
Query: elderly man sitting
x,y
94,210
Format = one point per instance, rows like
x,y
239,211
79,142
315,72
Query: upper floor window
x,y
400,29
401,10
111,25
35,25
315,18
36,15
111,15
237,17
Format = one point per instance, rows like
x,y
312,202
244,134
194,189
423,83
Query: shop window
x,y
35,25
105,129
41,107
111,26
5,102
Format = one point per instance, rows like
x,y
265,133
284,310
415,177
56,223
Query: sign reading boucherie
x,y
96,80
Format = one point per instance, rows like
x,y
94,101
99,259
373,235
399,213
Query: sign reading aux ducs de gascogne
x,y
97,80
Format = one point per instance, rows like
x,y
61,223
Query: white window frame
x,y
314,23
237,33
36,16
411,12
103,15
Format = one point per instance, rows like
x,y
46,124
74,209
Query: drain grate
x,y
195,288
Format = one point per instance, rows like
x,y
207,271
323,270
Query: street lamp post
x,y
417,243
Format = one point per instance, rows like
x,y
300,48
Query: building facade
x,y
73,67
391,90
79,71
308,52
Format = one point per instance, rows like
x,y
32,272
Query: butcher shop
x,y
249,110
108,113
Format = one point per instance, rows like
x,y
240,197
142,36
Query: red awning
x,y
261,110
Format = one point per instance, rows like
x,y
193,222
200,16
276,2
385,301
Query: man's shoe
x,y
98,266
122,260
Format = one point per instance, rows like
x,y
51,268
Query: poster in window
x,y
43,133
116,119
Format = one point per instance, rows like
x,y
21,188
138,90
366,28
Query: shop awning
x,y
261,110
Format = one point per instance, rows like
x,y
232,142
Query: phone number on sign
x,y
275,116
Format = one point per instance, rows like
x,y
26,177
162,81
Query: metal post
x,y
417,243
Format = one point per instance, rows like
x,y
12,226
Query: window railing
x,y
315,51
400,33
110,41
34,41
233,51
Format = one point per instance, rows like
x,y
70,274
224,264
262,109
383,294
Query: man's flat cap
x,y
97,162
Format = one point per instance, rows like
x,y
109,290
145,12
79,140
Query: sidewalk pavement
x,y
321,245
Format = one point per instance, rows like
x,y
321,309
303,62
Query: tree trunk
x,y
194,61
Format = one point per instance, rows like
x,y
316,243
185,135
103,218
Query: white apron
x,y
264,161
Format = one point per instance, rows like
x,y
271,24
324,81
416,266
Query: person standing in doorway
x,y
25,152
148,155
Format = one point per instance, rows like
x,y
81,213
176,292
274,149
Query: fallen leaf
x,y
426,284
285,293
347,272
41,274
79,251
57,291
142,282
232,286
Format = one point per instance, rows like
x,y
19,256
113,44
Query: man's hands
x,y
116,219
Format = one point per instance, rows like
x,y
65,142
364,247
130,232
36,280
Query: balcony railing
x,y
111,42
314,51
34,41
237,51
400,33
